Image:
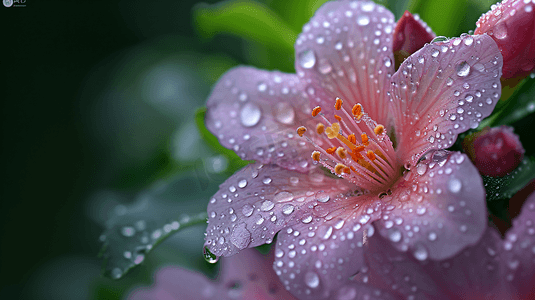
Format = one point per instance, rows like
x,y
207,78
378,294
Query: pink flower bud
x,y
512,26
494,151
410,34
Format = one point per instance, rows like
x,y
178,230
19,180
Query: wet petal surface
x,y
437,209
346,51
443,90
258,201
255,113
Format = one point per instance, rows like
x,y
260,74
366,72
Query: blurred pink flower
x,y
248,275
492,269
432,205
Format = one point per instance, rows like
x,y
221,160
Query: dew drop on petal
x,y
394,235
250,115
363,20
242,183
312,279
247,210
209,256
284,113
454,185
287,209
463,69
307,59
420,253
267,205
128,231
240,236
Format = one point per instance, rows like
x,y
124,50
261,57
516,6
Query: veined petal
x,y
346,51
519,252
437,209
472,274
443,90
258,201
317,256
256,113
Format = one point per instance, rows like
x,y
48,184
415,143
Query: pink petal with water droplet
x,y
442,90
519,253
248,275
345,51
256,114
258,201
474,273
438,209
316,257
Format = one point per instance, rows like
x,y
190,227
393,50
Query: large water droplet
x,y
363,20
394,235
250,115
463,69
454,185
312,279
307,59
128,231
284,113
439,39
500,31
420,253
287,209
247,210
240,236
209,256
283,196
324,67
267,205
242,183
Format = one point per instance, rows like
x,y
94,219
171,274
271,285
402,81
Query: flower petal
x,y
519,254
442,90
346,51
472,274
256,113
437,209
258,201
315,258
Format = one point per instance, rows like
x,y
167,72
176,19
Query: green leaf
x,y
505,187
235,162
156,213
518,106
246,19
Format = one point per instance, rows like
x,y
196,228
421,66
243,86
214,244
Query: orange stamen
x,y
331,150
340,168
379,129
341,152
357,111
320,128
316,155
338,118
364,138
316,111
338,104
352,138
370,155
301,130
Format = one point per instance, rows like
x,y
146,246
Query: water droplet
x,y
307,59
500,31
242,183
324,67
262,87
247,210
432,236
338,46
468,40
463,69
421,169
435,52
128,231
240,236
388,62
394,235
266,180
283,196
116,273
242,97
454,185
363,20
287,209
312,279
420,253
421,210
449,81
250,115
327,234
267,205
320,40
307,219
284,113
480,67
209,256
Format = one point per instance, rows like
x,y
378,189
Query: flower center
x,y
358,149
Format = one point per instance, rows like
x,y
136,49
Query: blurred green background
x,y
98,105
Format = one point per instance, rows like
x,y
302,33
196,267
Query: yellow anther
x,y
338,104
379,129
316,155
320,128
370,155
364,138
357,111
301,130
352,138
331,150
341,152
332,132
340,168
316,111
359,148
338,118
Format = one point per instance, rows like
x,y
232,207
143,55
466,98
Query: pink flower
x,y
248,275
410,34
492,269
433,209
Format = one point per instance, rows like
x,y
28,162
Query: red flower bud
x,y
511,24
410,34
494,151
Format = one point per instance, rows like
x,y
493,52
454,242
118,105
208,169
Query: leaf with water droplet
x,y
136,229
505,187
